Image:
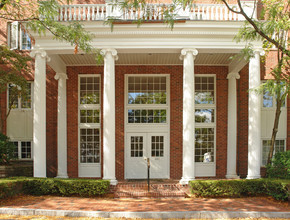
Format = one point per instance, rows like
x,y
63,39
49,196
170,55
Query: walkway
x,y
146,208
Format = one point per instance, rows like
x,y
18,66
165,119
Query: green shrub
x,y
10,188
280,166
278,189
66,187
6,150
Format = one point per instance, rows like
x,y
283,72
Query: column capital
x,y
111,51
41,53
259,51
233,75
185,51
60,76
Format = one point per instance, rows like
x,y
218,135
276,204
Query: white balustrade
x,y
88,12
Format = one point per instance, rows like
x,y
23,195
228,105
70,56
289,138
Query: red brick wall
x,y
51,123
242,136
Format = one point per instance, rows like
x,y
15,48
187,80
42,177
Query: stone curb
x,y
163,215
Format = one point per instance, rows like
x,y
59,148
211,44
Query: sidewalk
x,y
146,208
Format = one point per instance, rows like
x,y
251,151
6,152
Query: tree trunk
x,y
1,116
275,127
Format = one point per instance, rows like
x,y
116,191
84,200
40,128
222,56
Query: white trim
x,y
94,167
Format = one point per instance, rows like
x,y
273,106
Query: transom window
x,y
146,90
205,119
147,99
279,147
89,118
18,102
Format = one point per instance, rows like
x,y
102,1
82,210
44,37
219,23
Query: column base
x,y
185,181
253,177
62,176
232,176
113,182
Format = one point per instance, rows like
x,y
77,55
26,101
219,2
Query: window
x,y
17,102
279,147
90,119
147,99
205,123
17,37
23,149
269,101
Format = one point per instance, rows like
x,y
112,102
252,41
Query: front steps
x,y
157,190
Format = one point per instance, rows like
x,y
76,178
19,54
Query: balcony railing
x,y
152,12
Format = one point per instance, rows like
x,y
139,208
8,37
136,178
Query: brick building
x,y
172,96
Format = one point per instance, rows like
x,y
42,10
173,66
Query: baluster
x,y
235,16
89,13
84,13
79,13
75,13
57,16
223,12
65,13
61,14
103,13
69,13
226,14
93,13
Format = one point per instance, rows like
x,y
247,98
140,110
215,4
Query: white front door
x,y
140,146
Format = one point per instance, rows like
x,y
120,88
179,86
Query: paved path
x,y
152,208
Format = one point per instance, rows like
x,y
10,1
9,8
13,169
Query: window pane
x,y
147,90
26,150
13,96
26,101
267,100
204,115
204,145
15,149
136,143
90,145
90,90
279,147
26,41
204,90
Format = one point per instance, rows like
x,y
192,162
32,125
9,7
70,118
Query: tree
x,y
34,17
272,28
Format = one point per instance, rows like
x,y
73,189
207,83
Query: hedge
x,y
53,186
279,189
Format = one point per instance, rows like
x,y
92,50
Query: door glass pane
x,y
136,146
157,146
90,145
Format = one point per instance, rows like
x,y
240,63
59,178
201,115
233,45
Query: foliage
x,y
278,189
65,187
52,186
6,149
280,166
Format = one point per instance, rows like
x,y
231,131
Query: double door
x,y
139,147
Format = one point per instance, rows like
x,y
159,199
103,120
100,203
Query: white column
x,y
39,114
188,56
232,125
61,126
254,136
110,55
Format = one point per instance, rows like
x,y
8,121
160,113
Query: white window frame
x,y
19,149
89,125
207,106
268,139
19,108
148,106
18,36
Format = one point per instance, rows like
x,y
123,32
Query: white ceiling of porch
x,y
150,59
